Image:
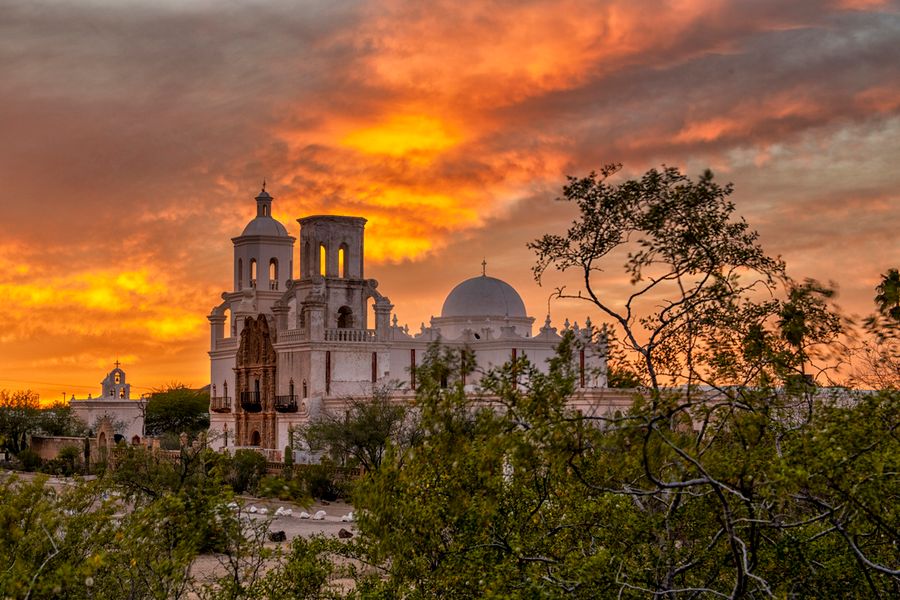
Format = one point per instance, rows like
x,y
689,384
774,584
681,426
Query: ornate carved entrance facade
x,y
255,378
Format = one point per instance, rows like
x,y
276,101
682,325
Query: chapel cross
x,y
483,267
117,363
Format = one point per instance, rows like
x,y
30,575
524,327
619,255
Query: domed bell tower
x,y
263,253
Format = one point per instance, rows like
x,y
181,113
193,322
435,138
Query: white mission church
x,y
286,346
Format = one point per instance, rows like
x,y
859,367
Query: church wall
x,y
221,371
128,411
351,371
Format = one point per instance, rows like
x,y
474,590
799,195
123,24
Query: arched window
x,y
265,210
342,260
323,260
255,438
252,272
112,393
118,378
121,392
345,318
305,390
273,274
291,389
240,278
225,389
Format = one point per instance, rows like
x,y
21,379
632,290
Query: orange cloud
x,y
131,157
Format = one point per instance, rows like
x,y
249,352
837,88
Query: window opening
x,y
323,256
345,318
273,274
342,260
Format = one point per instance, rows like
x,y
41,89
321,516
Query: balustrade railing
x,y
286,403
349,335
292,335
251,402
220,404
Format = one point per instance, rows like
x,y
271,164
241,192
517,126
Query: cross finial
x,y
483,267
117,363
264,184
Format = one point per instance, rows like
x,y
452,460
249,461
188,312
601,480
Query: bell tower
x,y
263,253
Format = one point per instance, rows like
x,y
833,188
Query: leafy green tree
x,y
363,432
177,409
733,474
19,417
888,297
877,349
51,543
58,420
244,470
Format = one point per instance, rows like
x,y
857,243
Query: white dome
x,y
483,297
265,226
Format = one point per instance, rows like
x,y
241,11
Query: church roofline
x,y
341,218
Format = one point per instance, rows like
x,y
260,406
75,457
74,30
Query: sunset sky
x,y
134,135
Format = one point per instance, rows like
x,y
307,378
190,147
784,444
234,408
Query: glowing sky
x,y
133,136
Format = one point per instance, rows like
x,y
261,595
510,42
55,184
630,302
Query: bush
x,y
247,469
288,470
283,489
30,459
320,483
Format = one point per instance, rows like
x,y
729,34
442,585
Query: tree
x,y
732,475
888,297
363,431
177,409
58,420
19,416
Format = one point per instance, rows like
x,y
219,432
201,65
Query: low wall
x,y
49,448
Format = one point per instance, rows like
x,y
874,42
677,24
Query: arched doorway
x,y
136,440
255,438
345,318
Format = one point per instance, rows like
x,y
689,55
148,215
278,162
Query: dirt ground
x,y
207,566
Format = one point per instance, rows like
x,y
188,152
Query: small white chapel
x,y
116,403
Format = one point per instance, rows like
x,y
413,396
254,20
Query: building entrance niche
x,y
345,318
255,438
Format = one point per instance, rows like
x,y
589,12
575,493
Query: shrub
x,y
320,483
247,468
30,459
281,488
288,470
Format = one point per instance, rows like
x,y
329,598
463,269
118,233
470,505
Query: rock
x,y
252,509
344,534
304,515
277,536
263,511
348,518
287,512
319,516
